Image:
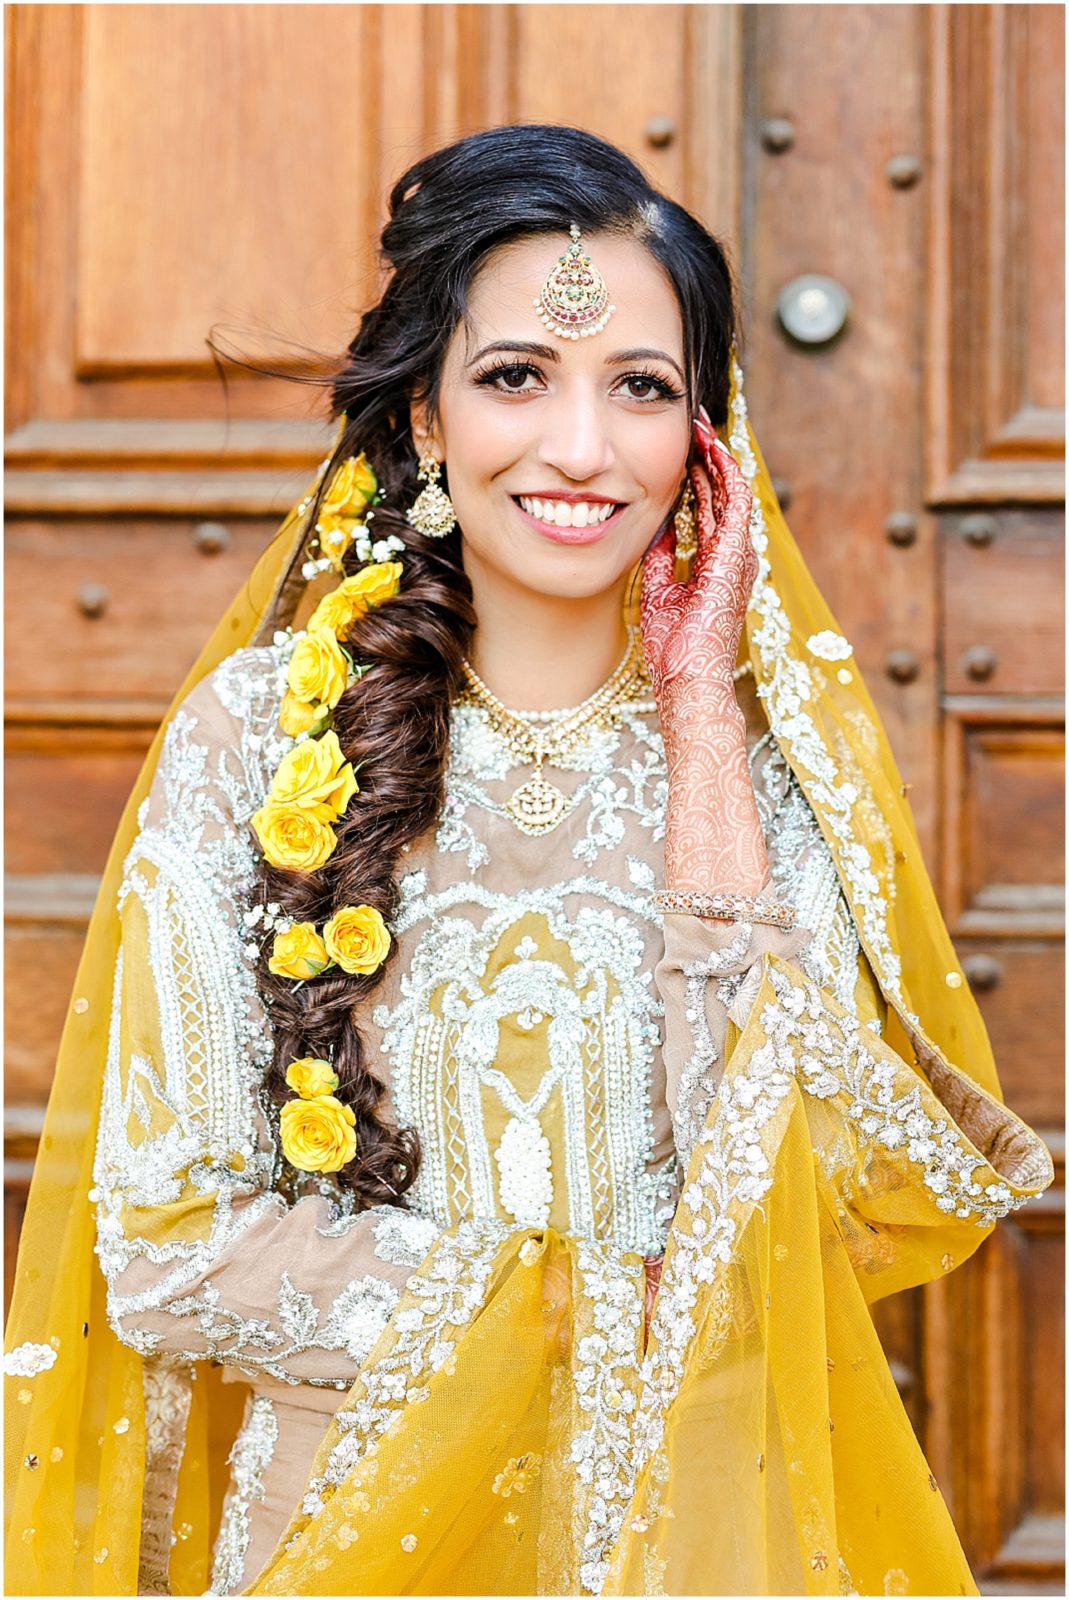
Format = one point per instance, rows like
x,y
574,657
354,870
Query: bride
x,y
517,1039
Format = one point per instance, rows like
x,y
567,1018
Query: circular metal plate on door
x,y
813,309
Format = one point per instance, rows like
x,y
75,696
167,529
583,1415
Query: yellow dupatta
x,y
759,1446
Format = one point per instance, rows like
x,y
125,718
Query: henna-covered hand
x,y
690,634
692,630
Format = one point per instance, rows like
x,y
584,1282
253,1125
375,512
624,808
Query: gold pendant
x,y
537,806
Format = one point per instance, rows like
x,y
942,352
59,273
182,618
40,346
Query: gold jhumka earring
x,y
432,512
574,301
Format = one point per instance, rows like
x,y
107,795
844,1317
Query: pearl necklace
x,y
537,737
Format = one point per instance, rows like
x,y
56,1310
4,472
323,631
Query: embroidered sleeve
x,y
708,976
710,972
202,1256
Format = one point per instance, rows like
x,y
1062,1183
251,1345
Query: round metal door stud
x,y
813,309
777,134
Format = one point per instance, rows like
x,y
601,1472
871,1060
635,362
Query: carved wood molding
x,y
996,421
1001,910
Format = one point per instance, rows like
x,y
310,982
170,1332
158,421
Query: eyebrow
x,y
548,353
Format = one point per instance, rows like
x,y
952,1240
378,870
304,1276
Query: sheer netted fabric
x,y
458,1399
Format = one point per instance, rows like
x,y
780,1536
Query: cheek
x,y
663,460
481,443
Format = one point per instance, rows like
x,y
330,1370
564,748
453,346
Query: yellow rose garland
x,y
311,1076
318,1133
318,671
357,938
298,952
353,489
372,586
317,1129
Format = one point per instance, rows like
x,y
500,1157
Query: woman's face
x,y
540,434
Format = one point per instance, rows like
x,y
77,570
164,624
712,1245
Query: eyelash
x,y
665,390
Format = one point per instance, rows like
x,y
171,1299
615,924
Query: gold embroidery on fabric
x,y
168,1391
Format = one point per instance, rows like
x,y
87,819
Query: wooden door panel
x,y
999,571
238,154
130,600
1005,846
994,374
95,767
1020,988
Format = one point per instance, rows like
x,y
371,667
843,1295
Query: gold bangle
x,y
726,907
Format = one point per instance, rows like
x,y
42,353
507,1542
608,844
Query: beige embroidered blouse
x,y
554,1040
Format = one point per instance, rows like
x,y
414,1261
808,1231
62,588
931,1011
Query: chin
x,y
574,579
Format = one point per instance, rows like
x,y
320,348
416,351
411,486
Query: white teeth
x,y
565,514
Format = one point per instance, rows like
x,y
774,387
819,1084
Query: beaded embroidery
x,y
250,1456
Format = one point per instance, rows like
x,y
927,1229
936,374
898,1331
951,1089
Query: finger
x,y
705,516
704,432
705,439
658,566
727,549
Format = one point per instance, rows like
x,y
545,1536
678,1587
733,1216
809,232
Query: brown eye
x,y
647,388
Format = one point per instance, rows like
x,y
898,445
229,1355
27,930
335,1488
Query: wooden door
x,y
180,170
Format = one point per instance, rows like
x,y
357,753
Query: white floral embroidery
x,y
29,1360
829,646
448,1293
403,1238
786,688
697,1084
605,1375
250,1456
806,1040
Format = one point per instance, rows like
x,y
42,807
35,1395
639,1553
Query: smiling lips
x,y
576,521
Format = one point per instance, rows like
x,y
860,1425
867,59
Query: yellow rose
x,y
351,488
310,1077
298,716
317,1134
298,953
357,939
370,587
293,838
316,777
334,612
317,669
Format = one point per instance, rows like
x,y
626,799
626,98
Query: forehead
x,y
647,310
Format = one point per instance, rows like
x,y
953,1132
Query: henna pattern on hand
x,y
691,633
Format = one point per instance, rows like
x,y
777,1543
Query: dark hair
x,y
447,213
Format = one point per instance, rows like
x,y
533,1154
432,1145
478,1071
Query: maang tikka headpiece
x,y
574,302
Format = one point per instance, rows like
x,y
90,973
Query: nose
x,y
575,439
